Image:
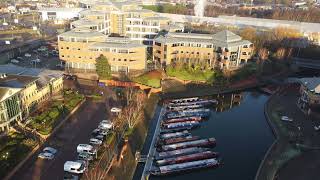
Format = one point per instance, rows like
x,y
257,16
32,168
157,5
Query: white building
x,y
59,15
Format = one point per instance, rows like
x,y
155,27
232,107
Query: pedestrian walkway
x,y
152,150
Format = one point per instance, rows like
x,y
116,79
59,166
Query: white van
x,y
86,148
74,167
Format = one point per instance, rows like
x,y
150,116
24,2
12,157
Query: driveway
x,y
76,130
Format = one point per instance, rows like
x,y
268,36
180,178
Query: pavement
x,y
152,150
286,160
76,130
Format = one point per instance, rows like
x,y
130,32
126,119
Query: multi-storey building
x,y
224,49
80,47
309,99
34,85
124,18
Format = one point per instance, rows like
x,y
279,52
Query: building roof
x,y
220,39
156,18
82,33
41,76
16,81
226,36
118,4
117,42
84,22
92,12
60,9
312,84
6,92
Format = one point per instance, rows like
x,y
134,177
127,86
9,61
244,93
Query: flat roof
x,y
116,45
61,9
313,84
16,81
82,33
223,38
41,76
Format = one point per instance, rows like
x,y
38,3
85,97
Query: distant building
x,y
224,50
150,2
59,15
309,94
124,18
35,85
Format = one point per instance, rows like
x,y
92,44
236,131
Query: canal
x,y
242,133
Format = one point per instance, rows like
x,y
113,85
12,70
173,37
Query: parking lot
x,y
43,57
77,130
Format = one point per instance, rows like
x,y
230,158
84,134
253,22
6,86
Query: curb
x,y
271,125
35,149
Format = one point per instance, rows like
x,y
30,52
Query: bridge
x,y
306,63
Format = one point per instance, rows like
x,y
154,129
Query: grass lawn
x,y
13,148
45,121
192,75
152,79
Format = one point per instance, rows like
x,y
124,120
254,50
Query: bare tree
x,y
263,54
129,93
133,112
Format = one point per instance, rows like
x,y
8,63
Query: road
x,y
76,130
152,150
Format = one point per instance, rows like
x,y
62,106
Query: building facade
x,y
124,18
309,99
59,15
224,50
80,47
35,85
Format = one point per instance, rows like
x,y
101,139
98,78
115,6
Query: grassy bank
x,y
191,74
13,148
152,79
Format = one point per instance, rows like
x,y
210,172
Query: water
x,y
242,133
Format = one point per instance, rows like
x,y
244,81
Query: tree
x,y
263,54
280,53
103,67
249,33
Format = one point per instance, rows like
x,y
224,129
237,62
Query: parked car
x,y
286,118
20,58
115,110
103,132
74,167
87,148
69,176
46,155
101,137
36,61
105,125
85,156
50,150
95,132
95,141
27,55
14,61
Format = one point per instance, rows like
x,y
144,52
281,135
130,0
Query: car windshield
x,y
81,167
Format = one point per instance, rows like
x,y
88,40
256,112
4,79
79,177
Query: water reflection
x,y
227,101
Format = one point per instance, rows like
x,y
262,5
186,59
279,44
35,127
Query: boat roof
x,y
186,164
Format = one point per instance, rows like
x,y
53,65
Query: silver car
x,y
46,155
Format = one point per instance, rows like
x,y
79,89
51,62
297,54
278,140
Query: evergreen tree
x,y
103,67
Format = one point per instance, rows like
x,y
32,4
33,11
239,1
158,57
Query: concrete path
x,y
152,150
